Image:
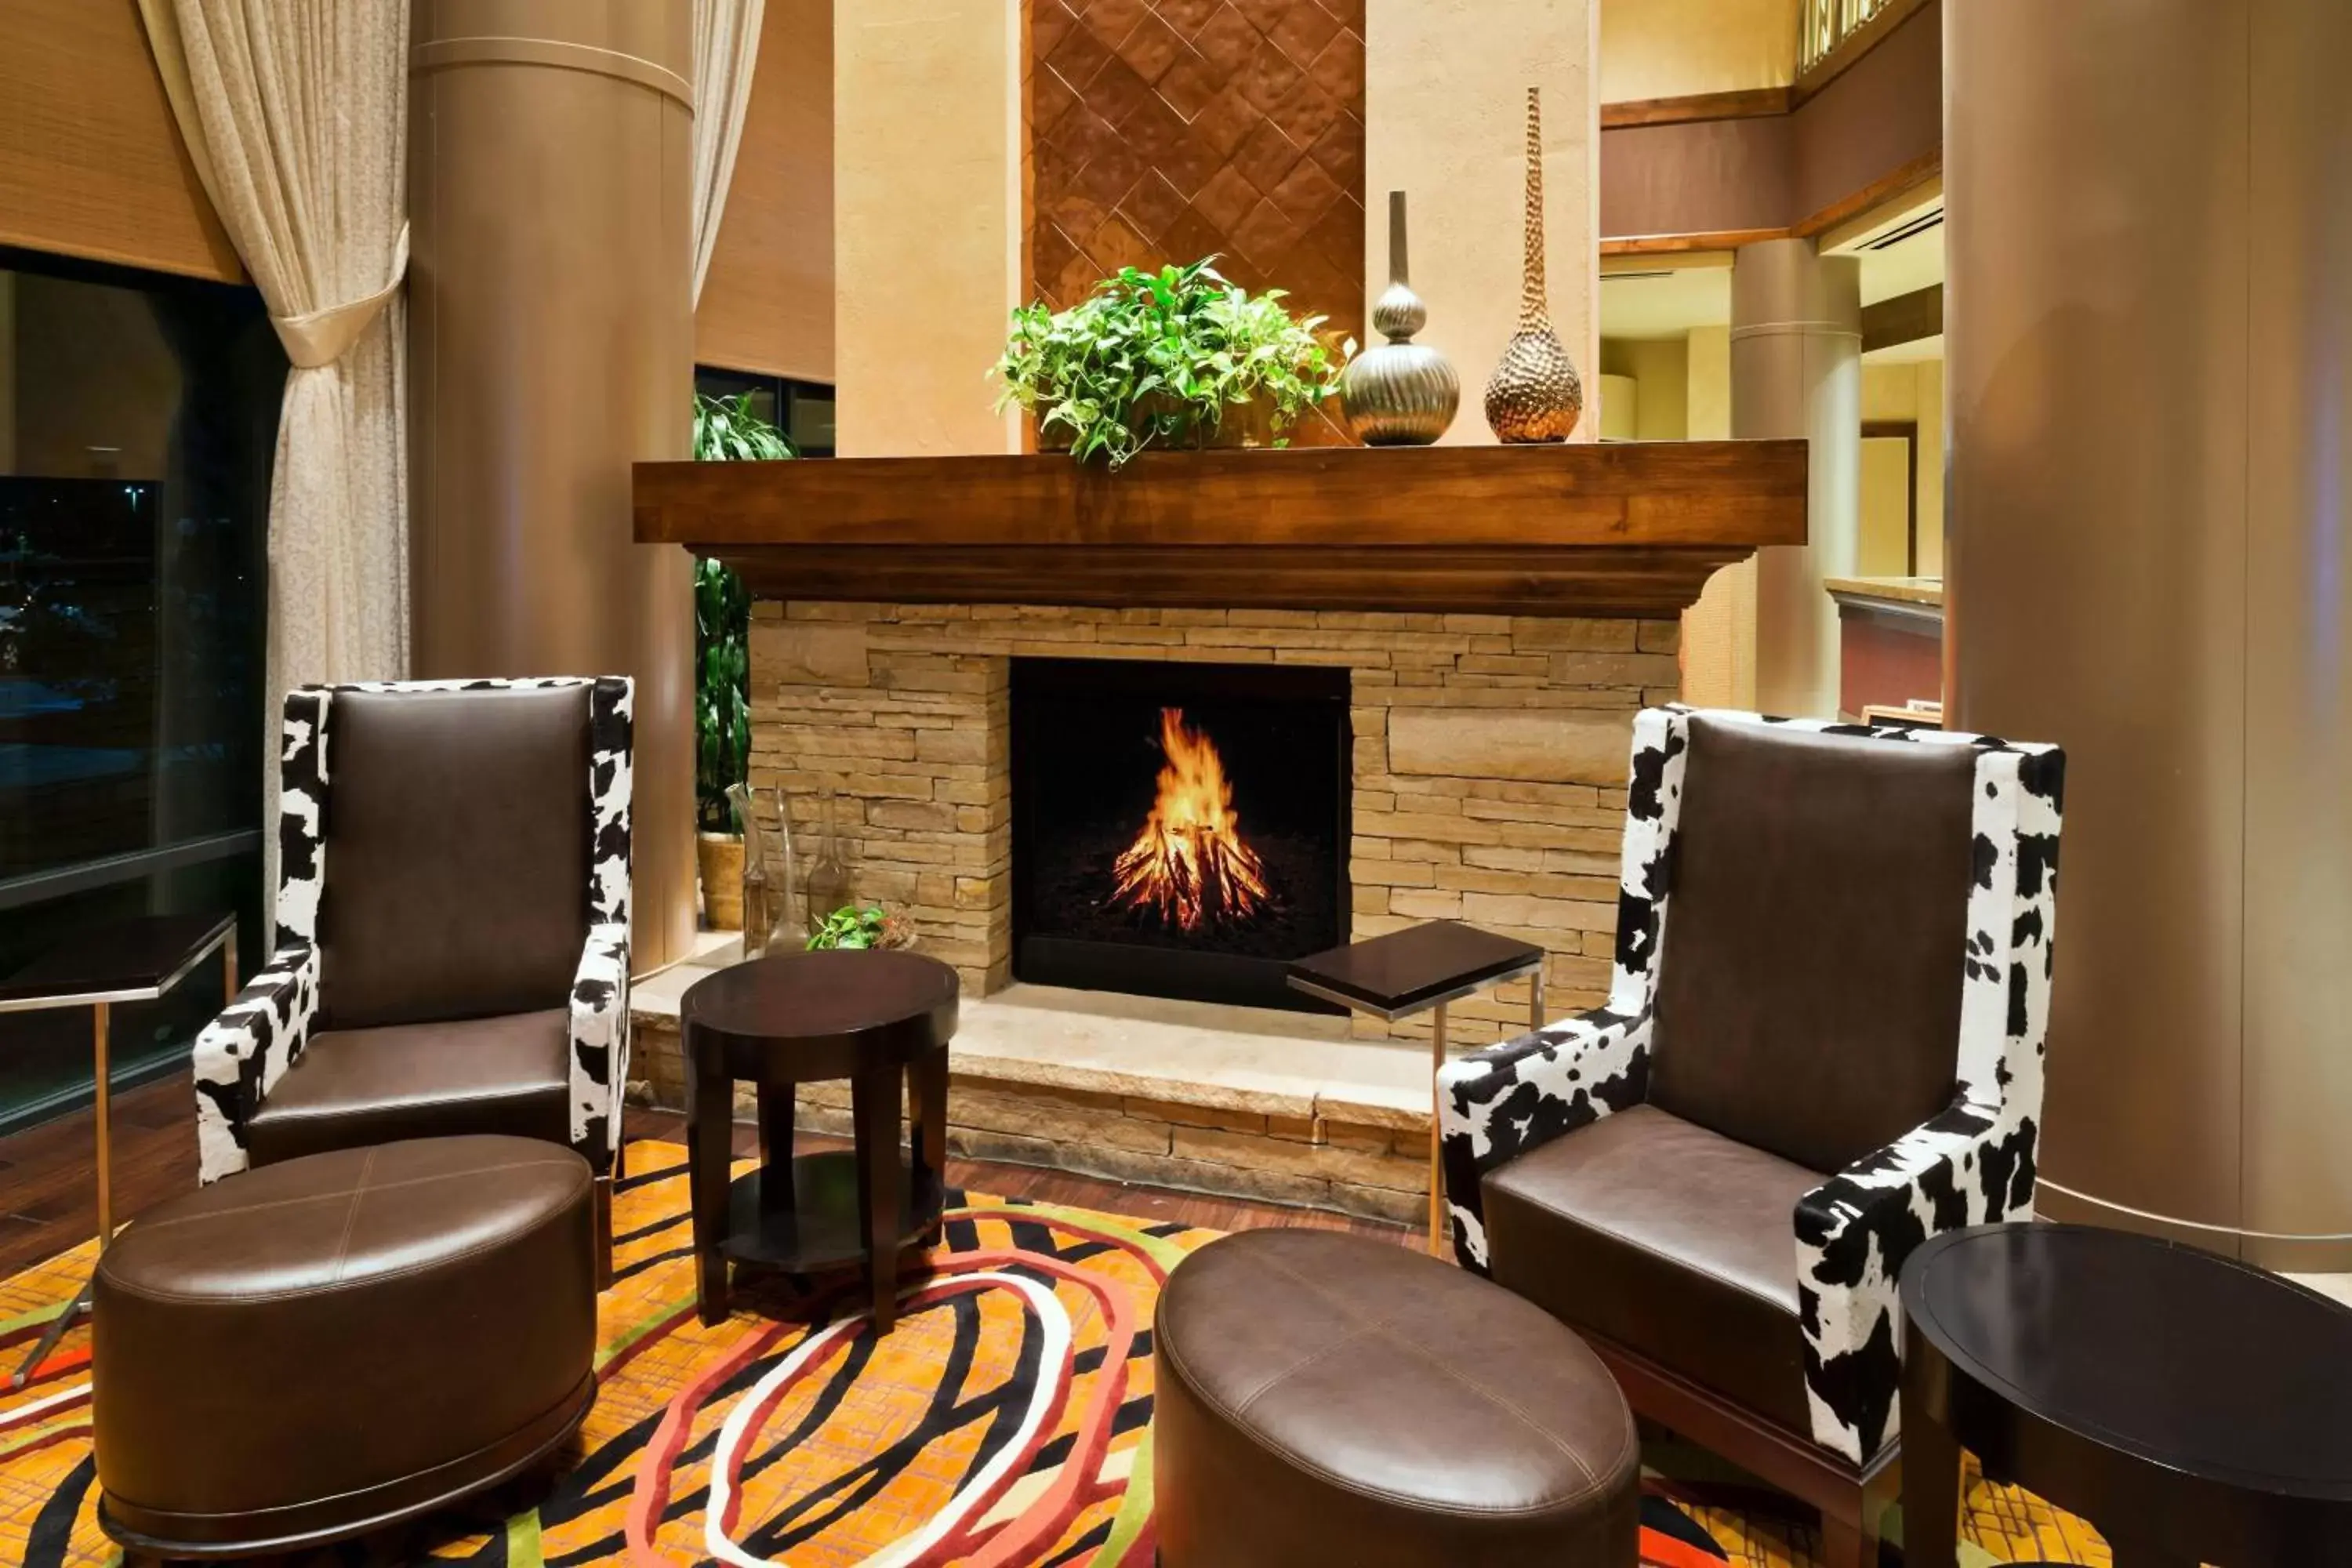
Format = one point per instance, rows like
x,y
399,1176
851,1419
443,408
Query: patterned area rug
x,y
1697,1513
1006,1422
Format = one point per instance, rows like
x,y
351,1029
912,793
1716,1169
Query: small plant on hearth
x,y
870,927
1175,358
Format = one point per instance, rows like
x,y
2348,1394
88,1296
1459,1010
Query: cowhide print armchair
x,y
452,945
1823,1043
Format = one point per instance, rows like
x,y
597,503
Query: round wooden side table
x,y
794,1018
2194,1409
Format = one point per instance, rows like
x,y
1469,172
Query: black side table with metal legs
x,y
137,959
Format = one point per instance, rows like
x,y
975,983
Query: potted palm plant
x,y
726,429
1180,357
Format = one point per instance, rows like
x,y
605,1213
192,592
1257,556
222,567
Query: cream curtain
x,y
726,48
296,115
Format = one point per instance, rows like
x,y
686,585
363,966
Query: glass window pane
x,y
138,423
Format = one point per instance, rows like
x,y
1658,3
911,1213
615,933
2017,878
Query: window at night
x,y
137,423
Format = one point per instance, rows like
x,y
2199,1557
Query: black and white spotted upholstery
x,y
243,1053
1972,1164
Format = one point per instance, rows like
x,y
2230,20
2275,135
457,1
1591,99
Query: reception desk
x,y
1890,644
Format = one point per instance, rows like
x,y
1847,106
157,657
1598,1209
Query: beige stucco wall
x,y
1661,367
1931,468
1445,121
1671,49
928,199
767,302
926,221
1915,390
1719,631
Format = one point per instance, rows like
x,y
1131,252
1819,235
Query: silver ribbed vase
x,y
1402,394
1535,394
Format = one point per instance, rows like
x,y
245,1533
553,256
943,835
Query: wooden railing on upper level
x,y
1826,24
1834,34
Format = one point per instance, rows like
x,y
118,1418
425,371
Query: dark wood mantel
x,y
1580,529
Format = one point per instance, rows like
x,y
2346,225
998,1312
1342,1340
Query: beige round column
x,y
2149,346
1796,370
551,344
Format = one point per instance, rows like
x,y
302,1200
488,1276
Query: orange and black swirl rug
x,y
1006,1422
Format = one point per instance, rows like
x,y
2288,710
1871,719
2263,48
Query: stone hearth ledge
x,y
1244,1102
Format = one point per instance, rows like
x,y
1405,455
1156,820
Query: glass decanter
x,y
768,923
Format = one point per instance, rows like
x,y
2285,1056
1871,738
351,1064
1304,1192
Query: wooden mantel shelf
x,y
1578,529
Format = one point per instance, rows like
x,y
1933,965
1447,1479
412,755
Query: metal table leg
x,y
99,1014
1436,1137
99,1105
75,1311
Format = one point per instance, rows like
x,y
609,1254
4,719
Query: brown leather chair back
x,y
457,851
1809,990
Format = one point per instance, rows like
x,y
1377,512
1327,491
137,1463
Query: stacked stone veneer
x,y
1490,755
1361,1159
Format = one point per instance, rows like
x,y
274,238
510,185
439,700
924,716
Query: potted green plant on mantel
x,y
725,430
1180,357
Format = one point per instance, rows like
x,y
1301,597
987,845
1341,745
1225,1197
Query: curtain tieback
x,y
318,338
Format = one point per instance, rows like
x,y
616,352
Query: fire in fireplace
x,y
1179,829
1191,867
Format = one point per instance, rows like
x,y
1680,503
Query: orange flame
x,y
1190,865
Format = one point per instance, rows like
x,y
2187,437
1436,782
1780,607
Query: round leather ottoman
x,y
1330,1398
313,1349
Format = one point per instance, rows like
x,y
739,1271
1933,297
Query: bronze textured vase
x,y
1402,394
1534,394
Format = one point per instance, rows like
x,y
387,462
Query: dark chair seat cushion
x,y
333,1343
1668,1239
1333,1399
354,1087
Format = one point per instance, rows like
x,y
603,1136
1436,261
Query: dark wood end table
x,y
794,1018
2193,1408
134,960
1420,971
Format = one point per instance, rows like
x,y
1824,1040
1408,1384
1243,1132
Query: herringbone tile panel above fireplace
x,y
1169,129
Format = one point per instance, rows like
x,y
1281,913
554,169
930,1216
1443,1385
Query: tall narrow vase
x,y
1535,394
1402,394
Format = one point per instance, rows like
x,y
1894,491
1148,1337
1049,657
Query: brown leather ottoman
x,y
1330,1398
311,1349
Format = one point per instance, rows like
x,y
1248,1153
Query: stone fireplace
x,y
1474,625
1484,777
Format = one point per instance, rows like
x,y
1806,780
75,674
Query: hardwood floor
x,y
48,1194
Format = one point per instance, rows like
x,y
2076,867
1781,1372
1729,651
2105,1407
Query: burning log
x,y
1190,865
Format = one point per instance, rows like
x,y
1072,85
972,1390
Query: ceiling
x,y
1902,250
1911,352
1666,298
1902,256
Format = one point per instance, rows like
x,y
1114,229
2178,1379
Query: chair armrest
x,y
1497,1104
600,1042
240,1056
1973,1164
